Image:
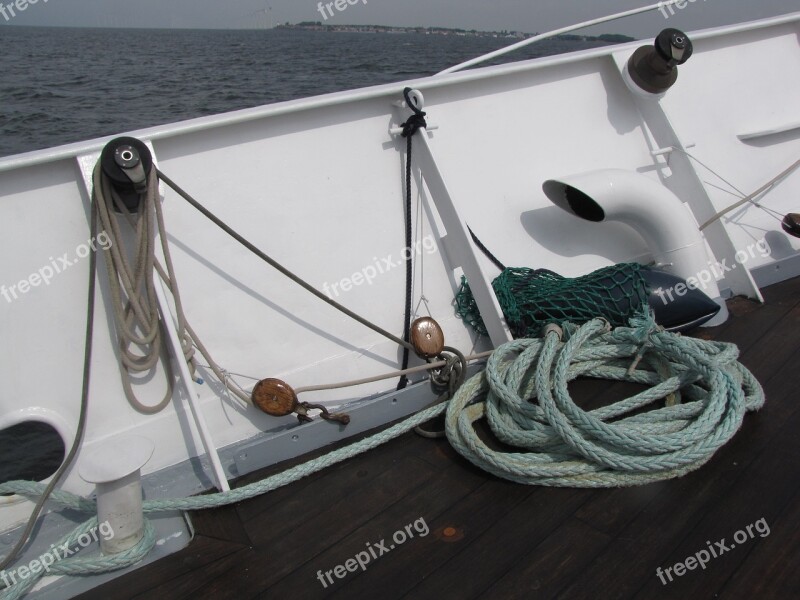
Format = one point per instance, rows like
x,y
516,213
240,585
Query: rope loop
x,y
73,562
415,121
451,376
697,397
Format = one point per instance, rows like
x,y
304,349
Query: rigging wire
x,y
277,266
744,198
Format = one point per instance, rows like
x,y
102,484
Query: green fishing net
x,y
532,298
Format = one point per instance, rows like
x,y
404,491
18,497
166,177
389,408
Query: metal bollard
x,y
114,467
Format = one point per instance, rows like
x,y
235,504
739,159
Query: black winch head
x,y
655,68
791,224
127,162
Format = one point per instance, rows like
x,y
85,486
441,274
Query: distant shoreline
x,y
319,26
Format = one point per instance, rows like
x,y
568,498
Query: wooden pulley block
x,y
275,397
427,338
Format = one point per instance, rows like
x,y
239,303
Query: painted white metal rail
x,y
172,130
543,36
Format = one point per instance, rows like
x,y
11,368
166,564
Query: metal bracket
x,y
419,102
86,164
460,249
686,182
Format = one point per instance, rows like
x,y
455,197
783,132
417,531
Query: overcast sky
x,y
522,15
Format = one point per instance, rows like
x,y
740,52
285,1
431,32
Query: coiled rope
x,y
133,295
523,394
698,396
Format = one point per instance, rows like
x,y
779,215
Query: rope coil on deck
x,y
523,394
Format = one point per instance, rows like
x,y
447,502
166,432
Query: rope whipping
x,y
413,124
697,399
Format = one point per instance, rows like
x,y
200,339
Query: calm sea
x,y
65,85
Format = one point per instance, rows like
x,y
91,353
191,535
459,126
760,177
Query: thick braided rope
x,y
32,489
79,565
101,563
523,395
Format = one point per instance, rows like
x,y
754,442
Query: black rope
x,y
410,127
275,265
485,251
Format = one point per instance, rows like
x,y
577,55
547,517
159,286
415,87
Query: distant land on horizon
x,y
612,38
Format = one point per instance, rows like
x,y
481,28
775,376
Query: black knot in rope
x,y
415,121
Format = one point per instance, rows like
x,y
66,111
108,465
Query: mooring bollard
x,y
114,467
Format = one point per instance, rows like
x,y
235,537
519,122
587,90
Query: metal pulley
x,y
127,162
654,68
427,338
278,399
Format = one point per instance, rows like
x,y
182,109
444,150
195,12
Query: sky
x,y
494,15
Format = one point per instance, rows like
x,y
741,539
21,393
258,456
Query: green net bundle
x,y
532,298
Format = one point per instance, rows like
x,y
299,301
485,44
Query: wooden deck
x,y
493,539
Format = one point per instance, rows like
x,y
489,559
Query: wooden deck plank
x,y
759,492
285,538
496,536
200,555
511,540
315,506
220,523
194,584
646,541
427,509
552,564
770,570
